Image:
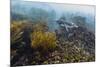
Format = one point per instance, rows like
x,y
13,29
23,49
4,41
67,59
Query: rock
x,y
45,62
56,62
57,57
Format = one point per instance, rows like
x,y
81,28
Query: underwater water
x,y
51,33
